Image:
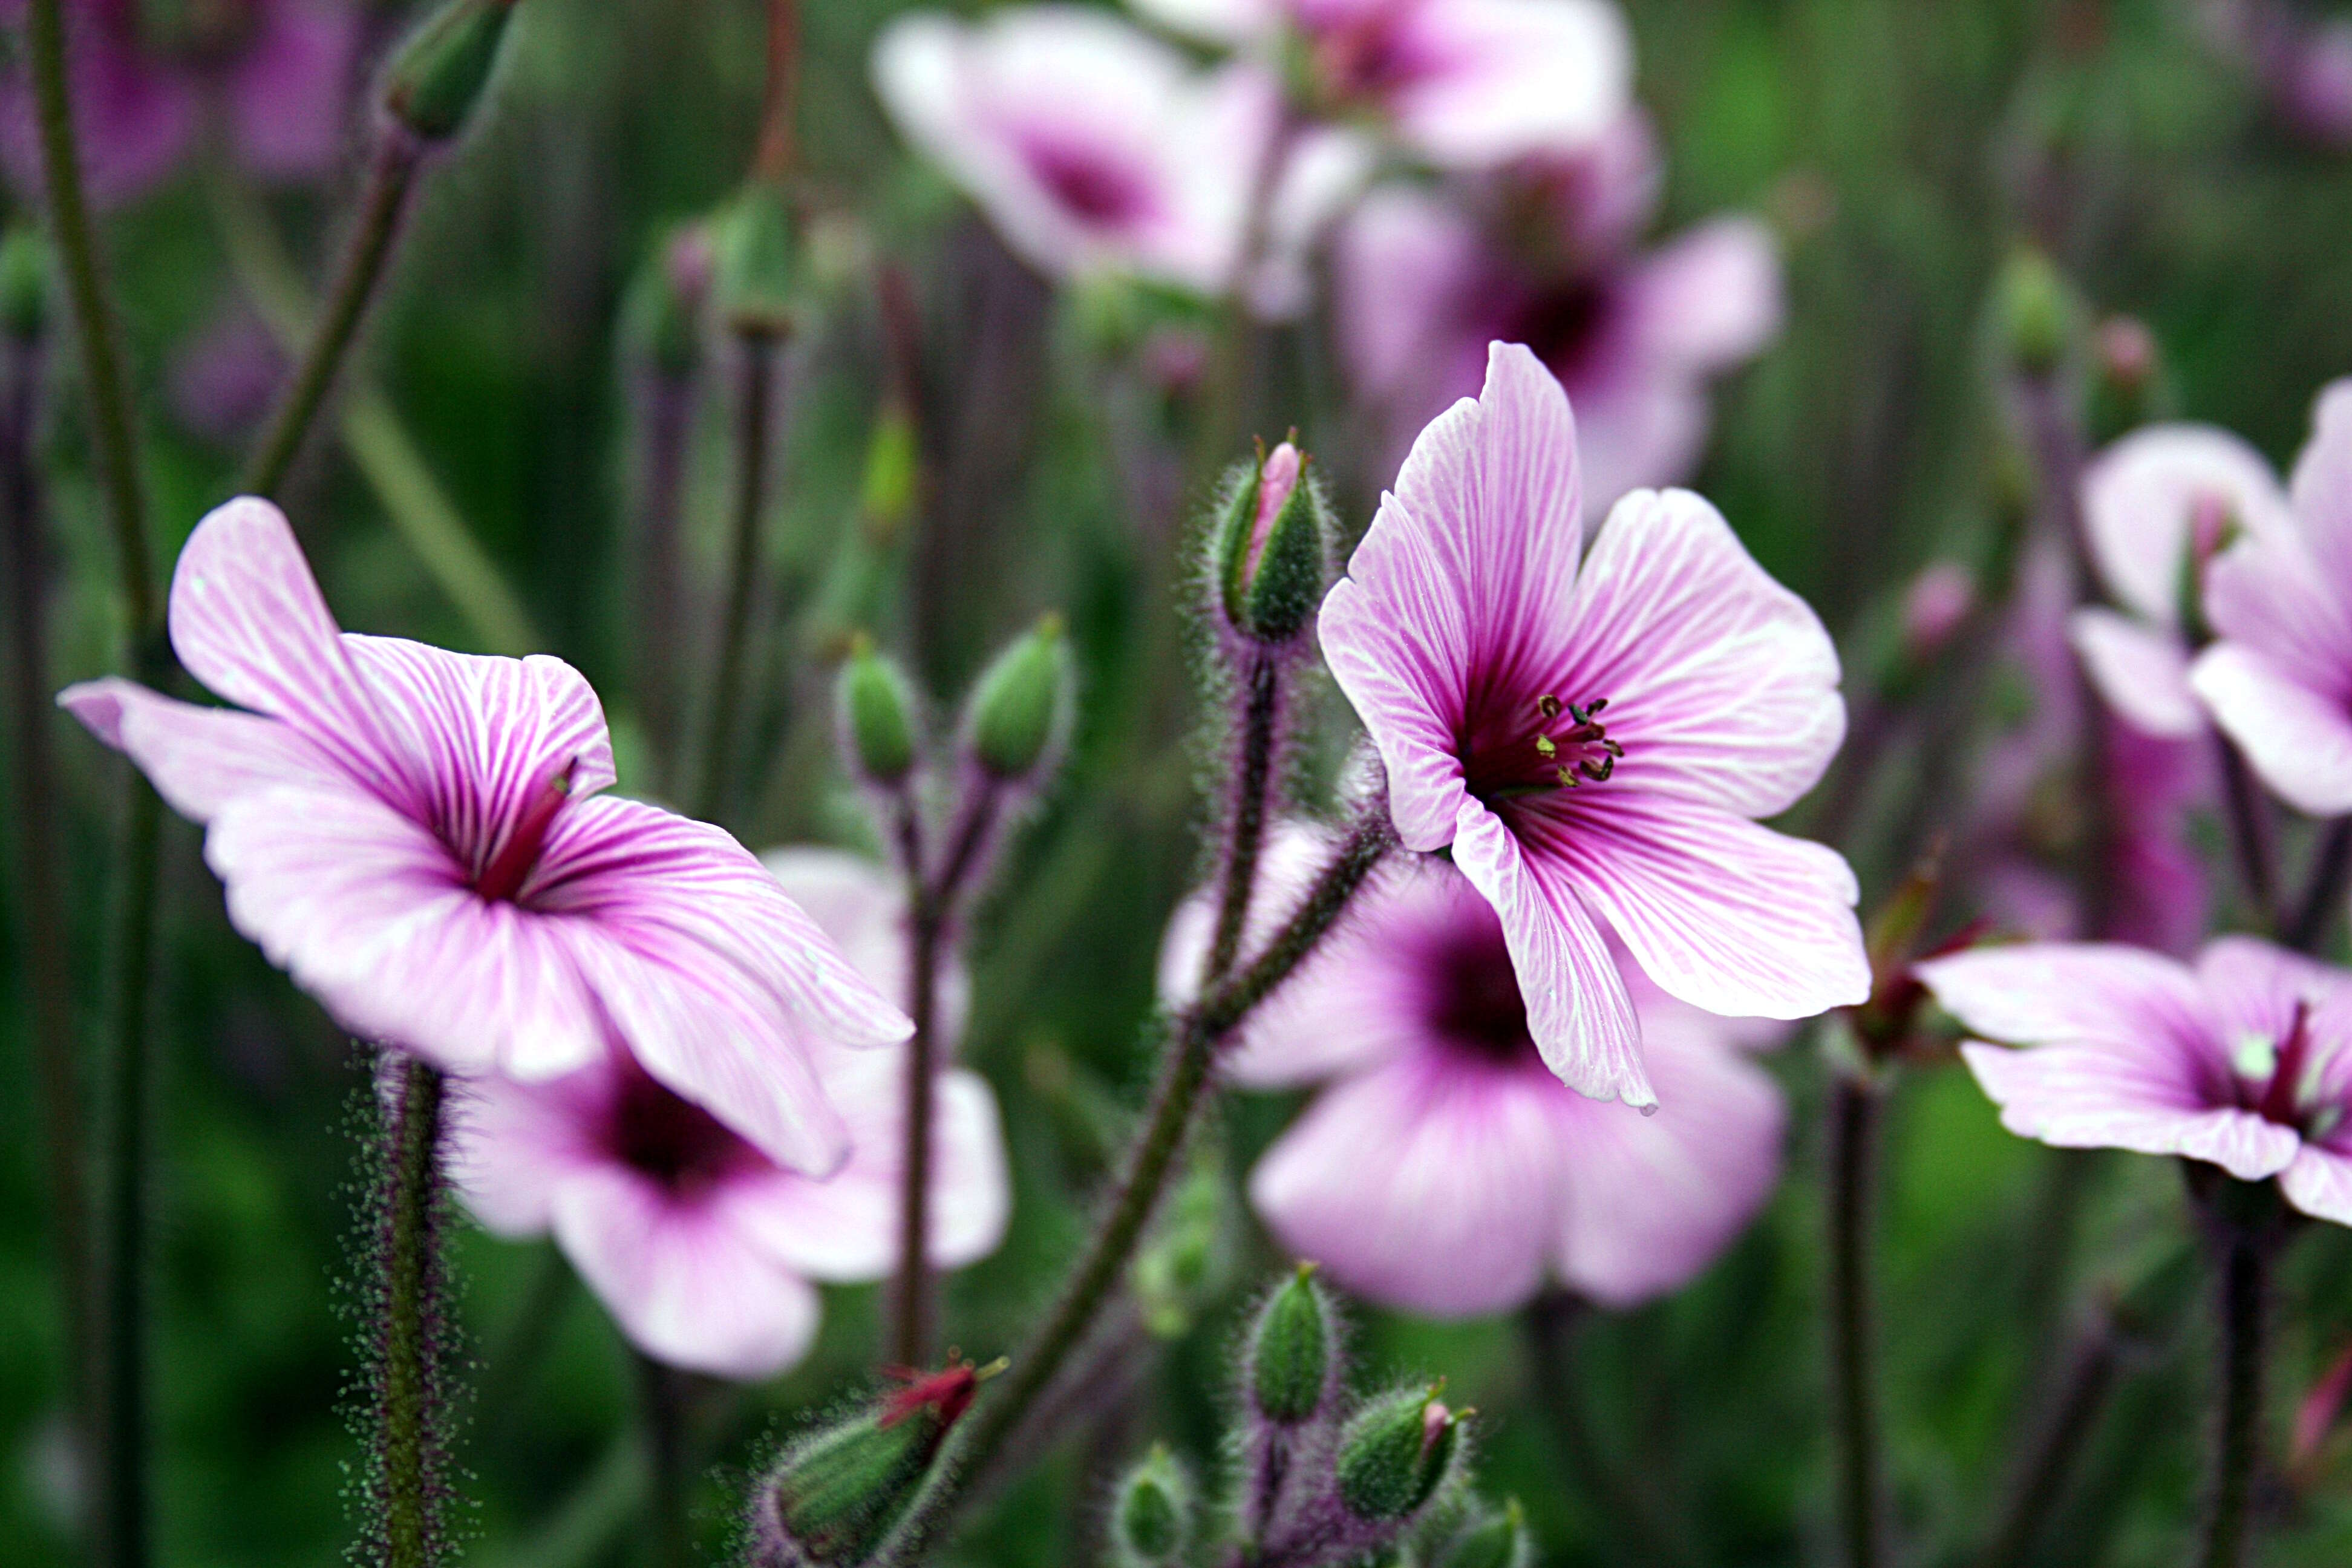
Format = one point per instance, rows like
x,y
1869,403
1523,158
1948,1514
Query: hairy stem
x,y
1854,1135
411,1429
2244,1287
392,174
1246,825
754,433
1552,1322
2323,895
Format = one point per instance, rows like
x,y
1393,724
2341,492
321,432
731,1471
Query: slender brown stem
x,y
1855,1111
755,420
666,418
2250,834
2323,895
910,1304
2244,1289
392,174
773,159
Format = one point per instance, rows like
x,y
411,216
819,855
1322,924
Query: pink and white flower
x,y
701,1244
2158,506
1590,734
2240,1061
1442,1168
1422,280
2278,680
1093,147
417,838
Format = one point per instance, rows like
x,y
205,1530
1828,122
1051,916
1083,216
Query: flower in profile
x,y
1442,1168
2239,1061
2278,680
1590,734
417,838
1092,146
279,73
1544,255
2158,506
1464,84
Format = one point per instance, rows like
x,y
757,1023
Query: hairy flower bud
x,y
877,724
24,282
1293,1361
834,1494
1395,1452
1151,1513
1020,706
1273,558
759,262
1499,1539
441,72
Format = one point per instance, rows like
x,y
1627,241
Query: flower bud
x,y
834,1494
1272,556
24,282
758,270
1019,709
877,725
893,482
1152,1516
1293,1360
663,319
2035,310
440,73
1938,599
1395,1452
1497,1540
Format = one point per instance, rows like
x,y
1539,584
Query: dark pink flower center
x,y
2282,1096
1371,59
1561,323
670,1140
1550,745
511,866
1097,189
1474,1004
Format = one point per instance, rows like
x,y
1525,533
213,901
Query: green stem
x,y
1853,1135
1183,1078
666,1438
411,1431
123,1284
1261,713
2244,1285
392,174
753,438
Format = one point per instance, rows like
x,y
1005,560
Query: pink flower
x,y
700,1242
1464,83
1093,147
2157,505
1442,1168
2279,680
1591,733
281,71
1422,282
2239,1062
417,838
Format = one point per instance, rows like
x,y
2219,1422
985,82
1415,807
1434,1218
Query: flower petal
x,y
2043,990
197,758
863,908
2319,1183
2140,499
291,88
514,1144
1511,77
2297,738
2321,487
2141,672
2108,1094
1709,299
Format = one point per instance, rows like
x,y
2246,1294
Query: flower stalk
x,y
2244,1281
2323,895
758,354
1855,1106
1552,1322
410,1488
1261,712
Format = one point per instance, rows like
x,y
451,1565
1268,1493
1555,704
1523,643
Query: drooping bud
x,y
24,272
663,319
2128,385
2035,312
442,71
1497,1540
1020,707
1938,599
758,271
834,1494
1151,1513
877,707
1273,555
1395,1452
1294,1353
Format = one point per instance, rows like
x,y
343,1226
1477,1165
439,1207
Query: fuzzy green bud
x,y
1152,1516
878,722
2036,313
442,71
1273,555
1292,1351
1394,1452
1020,706
25,271
759,262
1497,1540
836,1493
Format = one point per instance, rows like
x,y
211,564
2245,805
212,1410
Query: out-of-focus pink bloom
x,y
1466,84
1937,601
2279,680
1591,733
2239,1061
1091,145
1444,1168
1422,283
417,838
2157,505
281,73
222,382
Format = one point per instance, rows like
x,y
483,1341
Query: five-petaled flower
x,y
2240,1062
417,837
1590,734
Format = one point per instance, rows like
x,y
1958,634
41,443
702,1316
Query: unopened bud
x,y
1272,558
1395,1452
878,723
1937,601
2035,312
1151,1517
663,321
442,71
834,1494
894,472
1293,1362
1020,706
24,282
758,270
1499,1540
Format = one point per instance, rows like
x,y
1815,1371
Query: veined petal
x,y
2140,500
863,908
514,1144
2107,1094
2319,1182
1722,684
1577,1011
2321,489
2256,986
2142,672
1709,299
2297,738
198,758
2104,992
2272,595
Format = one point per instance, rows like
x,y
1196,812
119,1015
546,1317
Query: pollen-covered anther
x,y
1583,751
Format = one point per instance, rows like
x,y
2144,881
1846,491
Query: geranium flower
x,y
1543,256
2239,1062
417,837
282,72
2157,505
1092,146
1589,734
1442,1168
2279,679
